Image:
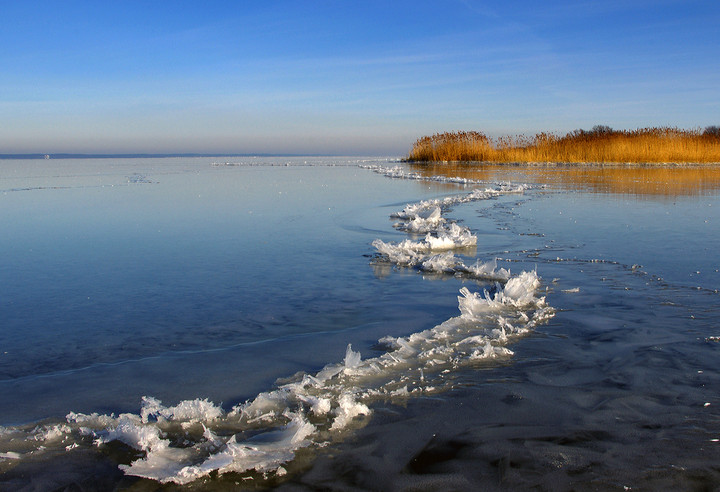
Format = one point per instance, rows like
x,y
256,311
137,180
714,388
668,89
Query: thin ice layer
x,y
310,410
194,438
264,433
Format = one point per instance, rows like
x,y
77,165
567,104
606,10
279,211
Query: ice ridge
x,y
400,172
195,438
434,252
264,433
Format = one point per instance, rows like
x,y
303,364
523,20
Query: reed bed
x,y
601,144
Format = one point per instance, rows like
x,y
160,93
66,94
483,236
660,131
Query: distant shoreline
x,y
146,156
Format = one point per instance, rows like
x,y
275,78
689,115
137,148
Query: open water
x,y
344,323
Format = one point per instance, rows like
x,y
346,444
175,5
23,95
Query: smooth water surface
x,y
187,279
130,270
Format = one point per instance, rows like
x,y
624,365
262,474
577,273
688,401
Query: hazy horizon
x,y
100,155
339,79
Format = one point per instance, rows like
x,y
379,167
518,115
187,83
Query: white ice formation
x,y
400,172
433,253
194,438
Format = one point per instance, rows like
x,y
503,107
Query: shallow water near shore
x,y
199,280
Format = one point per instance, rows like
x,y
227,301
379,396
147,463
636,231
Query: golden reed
x,y
601,144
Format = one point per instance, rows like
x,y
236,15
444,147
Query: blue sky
x,y
344,77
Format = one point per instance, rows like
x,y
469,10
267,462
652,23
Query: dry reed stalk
x,y
602,144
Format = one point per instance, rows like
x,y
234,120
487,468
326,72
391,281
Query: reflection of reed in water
x,y
631,180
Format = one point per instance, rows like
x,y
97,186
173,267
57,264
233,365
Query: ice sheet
x,y
182,442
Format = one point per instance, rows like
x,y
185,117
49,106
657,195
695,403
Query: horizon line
x,y
130,155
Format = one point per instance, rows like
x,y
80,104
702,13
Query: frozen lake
x,y
188,320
